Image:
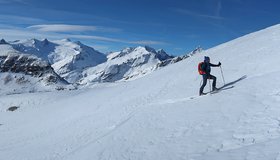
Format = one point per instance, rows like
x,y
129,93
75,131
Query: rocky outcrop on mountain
x,y
2,41
179,58
29,65
21,72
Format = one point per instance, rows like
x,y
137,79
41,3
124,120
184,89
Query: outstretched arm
x,y
215,65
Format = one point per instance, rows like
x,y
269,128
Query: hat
x,y
206,58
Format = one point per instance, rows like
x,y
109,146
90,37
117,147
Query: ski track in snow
x,y
132,110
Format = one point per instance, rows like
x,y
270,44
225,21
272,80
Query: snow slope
x,y
155,117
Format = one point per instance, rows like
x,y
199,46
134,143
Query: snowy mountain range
x,y
159,116
78,63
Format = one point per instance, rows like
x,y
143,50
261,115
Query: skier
x,y
204,69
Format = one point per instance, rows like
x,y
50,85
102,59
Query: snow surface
x,y
160,115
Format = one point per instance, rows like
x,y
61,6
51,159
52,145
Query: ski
x,y
220,89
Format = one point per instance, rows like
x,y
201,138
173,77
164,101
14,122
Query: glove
x,y
220,64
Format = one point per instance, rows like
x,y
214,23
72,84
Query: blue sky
x,y
178,26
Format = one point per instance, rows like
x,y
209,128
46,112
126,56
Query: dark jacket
x,y
206,67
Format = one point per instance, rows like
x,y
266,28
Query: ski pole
x,y
209,86
222,75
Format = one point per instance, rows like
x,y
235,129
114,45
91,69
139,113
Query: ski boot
x,y
202,94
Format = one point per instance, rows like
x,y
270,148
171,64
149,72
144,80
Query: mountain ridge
x,y
71,60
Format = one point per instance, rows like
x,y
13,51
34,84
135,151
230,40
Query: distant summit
x,y
2,41
166,62
136,51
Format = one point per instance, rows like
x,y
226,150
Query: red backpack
x,y
200,71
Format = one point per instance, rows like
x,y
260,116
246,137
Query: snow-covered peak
x,y
145,49
133,52
129,63
39,48
121,53
66,57
162,55
70,58
32,42
161,51
46,41
2,41
66,40
79,43
127,50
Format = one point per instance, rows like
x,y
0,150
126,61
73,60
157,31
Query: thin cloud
x,y
70,28
100,38
12,19
18,33
195,14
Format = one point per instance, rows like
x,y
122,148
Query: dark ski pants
x,y
205,77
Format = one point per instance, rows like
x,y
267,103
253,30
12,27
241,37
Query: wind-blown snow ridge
x,y
135,119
